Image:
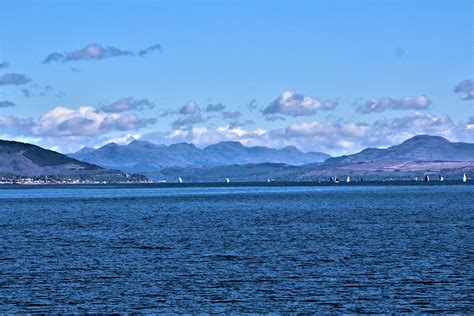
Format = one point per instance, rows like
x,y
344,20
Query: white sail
x,y
441,178
180,180
464,178
348,179
227,180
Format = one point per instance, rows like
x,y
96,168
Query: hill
x,y
419,148
26,160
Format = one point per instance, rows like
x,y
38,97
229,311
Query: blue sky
x,y
333,76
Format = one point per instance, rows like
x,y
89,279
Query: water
x,y
369,249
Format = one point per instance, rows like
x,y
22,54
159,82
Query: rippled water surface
x,y
367,249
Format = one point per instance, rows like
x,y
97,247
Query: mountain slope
x,y
419,148
27,160
141,156
413,158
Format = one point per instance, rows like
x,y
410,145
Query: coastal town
x,y
47,180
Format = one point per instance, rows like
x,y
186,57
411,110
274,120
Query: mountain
x,y
27,160
415,157
143,157
417,149
371,171
229,153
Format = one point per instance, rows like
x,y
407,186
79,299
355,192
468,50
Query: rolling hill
x,y
27,160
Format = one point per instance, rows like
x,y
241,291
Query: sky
x,y
331,76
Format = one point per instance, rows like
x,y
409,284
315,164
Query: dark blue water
x,y
368,249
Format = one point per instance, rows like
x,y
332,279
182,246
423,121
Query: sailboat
x,y
427,178
464,178
348,180
180,180
441,178
227,180
336,180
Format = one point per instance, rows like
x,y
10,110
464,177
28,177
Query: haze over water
x,y
368,249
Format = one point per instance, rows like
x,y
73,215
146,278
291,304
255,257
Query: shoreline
x,y
238,184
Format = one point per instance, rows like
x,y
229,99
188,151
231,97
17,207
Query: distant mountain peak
x,y
138,142
417,148
290,148
86,149
182,145
141,144
425,138
110,145
231,144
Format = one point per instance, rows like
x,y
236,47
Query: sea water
x,y
147,249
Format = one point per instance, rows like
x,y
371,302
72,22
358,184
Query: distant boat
x,y
348,180
336,180
180,180
270,180
441,178
416,178
464,178
427,178
227,180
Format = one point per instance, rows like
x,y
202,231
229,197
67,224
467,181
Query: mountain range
x,y
414,157
145,157
27,160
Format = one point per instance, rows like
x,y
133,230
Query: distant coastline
x,y
150,184
417,158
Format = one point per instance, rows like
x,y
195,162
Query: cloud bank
x,y
336,138
85,121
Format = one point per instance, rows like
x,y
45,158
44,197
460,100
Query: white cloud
x,y
407,103
336,138
85,121
123,139
294,104
16,126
